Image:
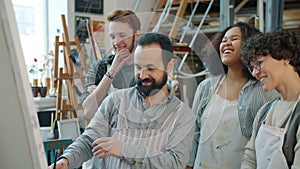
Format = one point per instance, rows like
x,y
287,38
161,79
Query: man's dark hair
x,y
162,40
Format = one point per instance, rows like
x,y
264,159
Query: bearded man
x,y
144,126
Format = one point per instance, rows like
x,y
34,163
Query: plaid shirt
x,y
95,74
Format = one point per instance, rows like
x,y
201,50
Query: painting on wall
x,y
89,6
81,28
97,38
98,32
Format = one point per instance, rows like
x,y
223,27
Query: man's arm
x,y
90,80
93,101
81,149
60,164
97,70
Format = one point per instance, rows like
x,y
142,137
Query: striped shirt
x,y
139,116
95,74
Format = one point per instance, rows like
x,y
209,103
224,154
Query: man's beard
x,y
153,88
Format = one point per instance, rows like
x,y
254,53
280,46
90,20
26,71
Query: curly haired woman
x,y
274,59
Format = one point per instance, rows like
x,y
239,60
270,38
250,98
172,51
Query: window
x,y
25,19
30,20
38,26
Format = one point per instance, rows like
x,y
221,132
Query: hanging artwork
x,y
81,28
98,32
89,6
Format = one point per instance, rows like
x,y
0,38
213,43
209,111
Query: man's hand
x,y
60,164
107,146
122,56
91,88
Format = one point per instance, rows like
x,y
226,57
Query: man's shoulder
x,y
185,113
104,62
184,107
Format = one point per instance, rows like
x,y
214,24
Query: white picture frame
x,y
68,128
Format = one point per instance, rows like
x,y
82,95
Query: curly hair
x,y
280,44
126,16
247,32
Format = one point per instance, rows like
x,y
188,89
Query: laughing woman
x,y
274,59
225,106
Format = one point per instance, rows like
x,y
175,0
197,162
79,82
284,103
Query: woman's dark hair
x,y
162,40
247,32
280,44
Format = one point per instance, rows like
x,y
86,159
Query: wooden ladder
x,y
67,108
180,5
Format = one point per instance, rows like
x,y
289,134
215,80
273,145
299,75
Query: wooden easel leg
x,y
56,58
59,95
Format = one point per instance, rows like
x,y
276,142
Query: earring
x,y
286,62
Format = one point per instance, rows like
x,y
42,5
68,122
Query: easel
x,y
67,108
